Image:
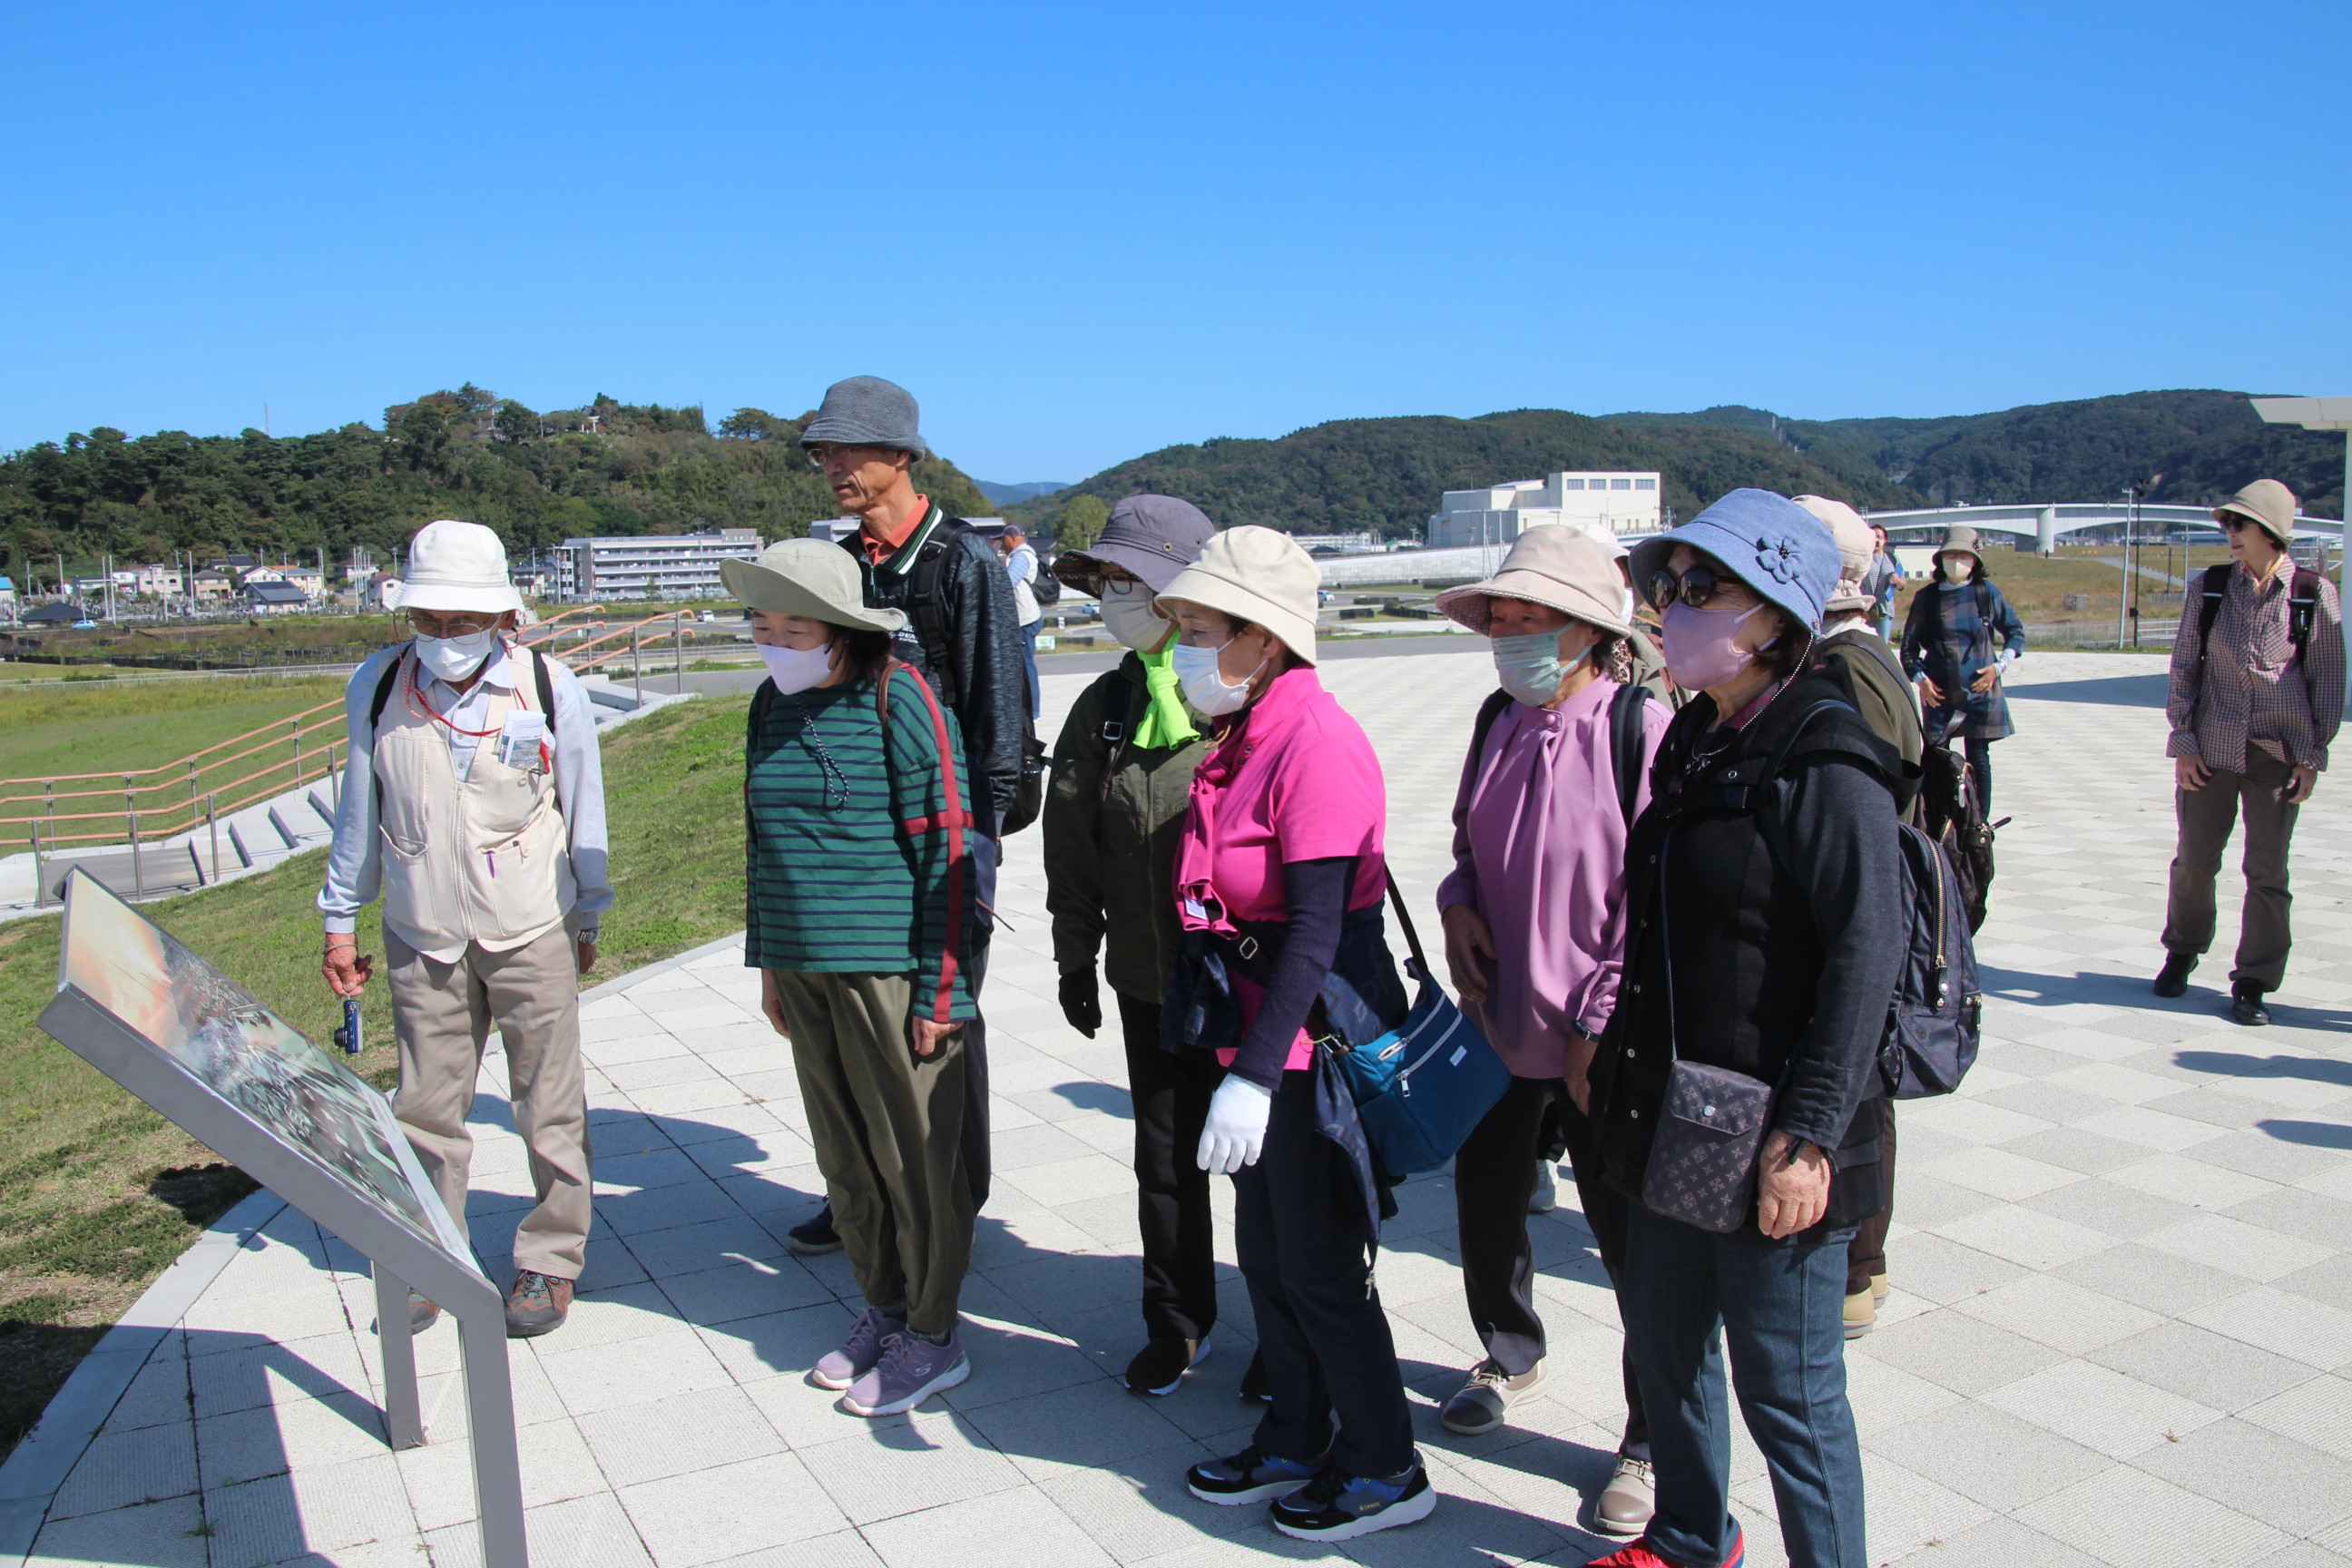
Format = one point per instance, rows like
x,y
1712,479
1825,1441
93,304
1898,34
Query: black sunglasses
x,y
1694,588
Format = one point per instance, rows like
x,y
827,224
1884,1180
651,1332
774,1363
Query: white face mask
x,y
1956,568
796,668
1134,623
453,658
1205,687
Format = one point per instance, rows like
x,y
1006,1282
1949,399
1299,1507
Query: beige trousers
x,y
441,1019
888,1130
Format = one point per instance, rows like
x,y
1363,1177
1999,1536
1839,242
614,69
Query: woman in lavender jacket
x,y
1534,939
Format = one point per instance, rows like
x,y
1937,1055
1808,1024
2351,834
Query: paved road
x,y
2118,1333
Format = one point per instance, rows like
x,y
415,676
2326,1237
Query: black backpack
x,y
2302,602
1952,814
1935,1015
1624,738
1043,586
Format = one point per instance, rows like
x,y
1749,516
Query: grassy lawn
x,y
98,1194
2038,586
78,727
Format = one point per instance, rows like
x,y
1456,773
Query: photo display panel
x,y
236,1050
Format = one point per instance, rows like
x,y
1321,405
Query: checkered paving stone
x,y
2119,1330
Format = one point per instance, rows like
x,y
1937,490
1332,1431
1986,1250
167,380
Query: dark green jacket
x,y
1112,818
1882,694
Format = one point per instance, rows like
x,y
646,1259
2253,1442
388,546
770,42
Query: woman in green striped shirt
x,y
859,912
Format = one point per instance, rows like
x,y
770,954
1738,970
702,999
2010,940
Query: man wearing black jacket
x,y
963,633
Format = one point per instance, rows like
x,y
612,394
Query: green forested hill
x,y
1385,475
2191,447
606,468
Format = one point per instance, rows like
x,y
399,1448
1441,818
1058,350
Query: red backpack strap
x,y
954,818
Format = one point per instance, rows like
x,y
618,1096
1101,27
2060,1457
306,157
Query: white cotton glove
x,y
1234,1134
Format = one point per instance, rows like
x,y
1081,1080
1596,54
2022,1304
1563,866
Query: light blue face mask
x,y
1530,667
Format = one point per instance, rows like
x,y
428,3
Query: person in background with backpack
x,y
1020,571
461,726
1557,770
2257,693
961,632
1122,780
1876,688
1947,649
1766,931
857,915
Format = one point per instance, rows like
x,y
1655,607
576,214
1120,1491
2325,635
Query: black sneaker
x,y
812,1236
1251,1476
2172,980
2246,1003
1254,1382
1333,1506
1158,1367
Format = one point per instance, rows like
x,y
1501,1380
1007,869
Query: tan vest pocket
x,y
522,877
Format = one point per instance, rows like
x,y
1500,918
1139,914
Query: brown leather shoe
x,y
537,1304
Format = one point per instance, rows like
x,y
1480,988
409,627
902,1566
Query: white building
x,y
1620,502
652,567
153,582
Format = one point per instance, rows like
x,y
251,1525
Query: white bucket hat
x,y
1856,544
1255,575
1557,565
455,566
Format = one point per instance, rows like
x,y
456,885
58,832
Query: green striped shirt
x,y
848,859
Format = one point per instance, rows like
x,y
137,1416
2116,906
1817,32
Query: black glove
x,y
1082,1001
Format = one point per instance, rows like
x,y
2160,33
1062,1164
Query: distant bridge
x,y
2045,523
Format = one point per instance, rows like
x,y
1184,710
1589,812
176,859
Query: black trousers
x,y
1979,755
1170,1090
1866,1254
1606,1211
1305,1243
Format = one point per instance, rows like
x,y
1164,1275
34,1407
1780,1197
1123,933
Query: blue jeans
x,y
1029,657
1781,1305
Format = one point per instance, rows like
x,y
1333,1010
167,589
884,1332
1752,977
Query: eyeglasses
x,y
435,626
1089,578
1696,587
2232,523
821,453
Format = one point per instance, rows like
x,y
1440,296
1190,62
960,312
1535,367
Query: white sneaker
x,y
1547,1194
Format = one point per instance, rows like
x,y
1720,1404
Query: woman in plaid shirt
x,y
2254,703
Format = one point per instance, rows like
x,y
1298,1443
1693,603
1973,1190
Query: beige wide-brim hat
x,y
1255,575
810,579
2269,504
1554,564
1856,544
455,565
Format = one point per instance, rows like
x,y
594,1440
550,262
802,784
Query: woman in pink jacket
x,y
1557,770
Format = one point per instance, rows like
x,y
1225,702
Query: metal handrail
x,y
181,762
306,765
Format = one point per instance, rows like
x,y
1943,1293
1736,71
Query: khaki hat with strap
x,y
2266,503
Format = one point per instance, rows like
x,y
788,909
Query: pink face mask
x,y
1702,648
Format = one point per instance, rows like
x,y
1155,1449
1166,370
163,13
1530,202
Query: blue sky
x,y
1083,232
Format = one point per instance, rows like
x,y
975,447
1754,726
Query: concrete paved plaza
x,y
2117,1333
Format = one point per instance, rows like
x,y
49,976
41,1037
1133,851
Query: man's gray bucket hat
x,y
867,411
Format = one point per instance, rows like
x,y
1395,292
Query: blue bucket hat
x,y
1778,548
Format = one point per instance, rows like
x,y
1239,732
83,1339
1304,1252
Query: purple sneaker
x,y
859,1353
909,1372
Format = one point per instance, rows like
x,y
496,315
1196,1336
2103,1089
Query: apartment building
x,y
650,567
1621,503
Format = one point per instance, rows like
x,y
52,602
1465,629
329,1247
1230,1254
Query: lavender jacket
x,y
1539,852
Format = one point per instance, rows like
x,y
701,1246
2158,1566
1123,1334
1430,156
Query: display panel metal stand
x,y
150,1014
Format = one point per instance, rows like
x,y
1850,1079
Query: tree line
x,y
605,468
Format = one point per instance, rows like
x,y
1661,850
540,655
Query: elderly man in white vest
x,y
475,801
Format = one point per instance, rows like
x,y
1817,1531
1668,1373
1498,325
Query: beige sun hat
x,y
1856,544
455,566
1555,564
1255,575
2270,505
810,579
